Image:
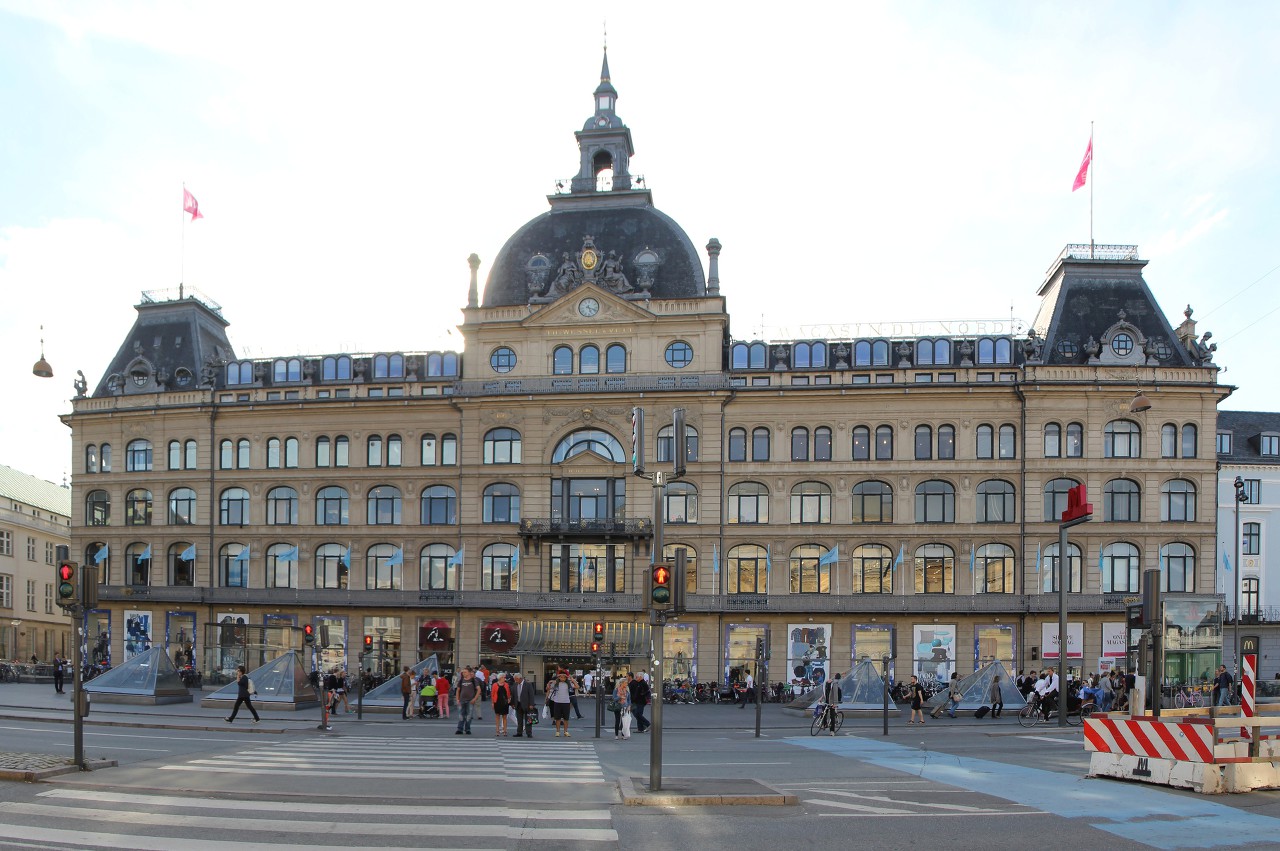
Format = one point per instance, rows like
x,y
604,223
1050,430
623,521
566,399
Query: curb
x,y
691,798
40,774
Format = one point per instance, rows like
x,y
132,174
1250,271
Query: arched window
x,y
104,456
233,507
589,360
501,503
807,573
811,503
226,455
924,443
872,502
615,359
498,568
681,501
1121,566
1168,441
384,568
388,366
993,569
91,458
291,453
862,353
748,503
137,564
935,502
175,455
1178,501
880,353
884,443
336,369
282,507
1055,498
289,369
395,450
946,443
331,506
822,443
384,506
137,456
137,507
985,441
935,569
590,440
942,352
1074,566
746,570
760,444
862,443
502,446
996,502
436,569
341,451
439,506
1179,561
240,372
448,450
1008,445
243,458
1004,351
97,508
429,458
800,444
800,356
738,356
872,569
562,361
666,444
182,571
281,566
924,353
233,566
1052,440
373,454
737,444
1121,439
1121,501
1190,437
182,507
1075,440
333,567
273,453
986,351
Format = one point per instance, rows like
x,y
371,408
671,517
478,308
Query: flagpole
x,y
1092,177
182,253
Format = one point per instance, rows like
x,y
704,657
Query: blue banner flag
x,y
1226,561
144,555
456,561
397,557
243,556
715,559
346,558
831,556
189,554
101,555
290,554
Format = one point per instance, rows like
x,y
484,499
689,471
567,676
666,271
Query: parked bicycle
x,y
1031,714
826,716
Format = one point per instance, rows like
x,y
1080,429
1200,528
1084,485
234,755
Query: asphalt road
x,y
384,783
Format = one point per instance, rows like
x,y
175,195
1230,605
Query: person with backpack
x,y
467,697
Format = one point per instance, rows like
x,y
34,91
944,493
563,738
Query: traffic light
x,y
679,568
637,441
597,630
368,644
595,648
308,634
680,451
759,648
660,587
68,592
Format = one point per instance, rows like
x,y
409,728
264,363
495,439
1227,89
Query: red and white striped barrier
x,y
1248,689
1187,741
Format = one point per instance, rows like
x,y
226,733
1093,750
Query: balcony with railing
x,y
541,527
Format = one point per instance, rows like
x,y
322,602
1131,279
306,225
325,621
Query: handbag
x,y
615,705
252,688
546,711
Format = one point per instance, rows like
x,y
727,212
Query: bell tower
x,y
604,142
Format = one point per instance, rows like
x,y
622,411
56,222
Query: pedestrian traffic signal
x,y
595,648
368,643
679,573
68,594
308,633
660,588
597,630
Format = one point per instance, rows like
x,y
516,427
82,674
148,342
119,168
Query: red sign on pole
x,y
1077,507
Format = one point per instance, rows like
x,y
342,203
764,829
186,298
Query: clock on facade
x,y
588,307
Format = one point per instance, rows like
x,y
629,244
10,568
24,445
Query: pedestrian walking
x,y
406,691
573,697
59,673
482,680
640,694
748,690
915,691
442,694
620,706
953,697
996,697
244,695
559,694
522,697
1222,687
341,692
500,696
467,698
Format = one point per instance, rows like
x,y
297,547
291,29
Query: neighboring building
x,y
1248,445
35,519
859,492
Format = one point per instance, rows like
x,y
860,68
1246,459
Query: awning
x,y
573,638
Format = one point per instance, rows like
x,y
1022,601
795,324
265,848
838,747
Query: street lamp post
x,y
1241,496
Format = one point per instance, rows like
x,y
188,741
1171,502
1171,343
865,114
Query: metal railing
x,y
641,526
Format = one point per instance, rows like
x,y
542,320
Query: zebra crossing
x,y
537,761
86,818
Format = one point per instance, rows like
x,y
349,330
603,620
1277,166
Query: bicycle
x,y
1030,715
1188,697
828,717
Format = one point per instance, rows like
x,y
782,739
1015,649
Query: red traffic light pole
x,y
1078,511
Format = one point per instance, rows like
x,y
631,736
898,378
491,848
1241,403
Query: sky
x,y
886,162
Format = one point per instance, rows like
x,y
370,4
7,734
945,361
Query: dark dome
x,y
627,231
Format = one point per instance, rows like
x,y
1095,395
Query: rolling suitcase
x,y
982,712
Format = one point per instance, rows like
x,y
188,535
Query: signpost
x,y
1078,511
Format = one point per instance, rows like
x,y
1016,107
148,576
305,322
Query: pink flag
x,y
1083,174
191,205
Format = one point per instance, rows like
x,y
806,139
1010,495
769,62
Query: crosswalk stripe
x,y
541,777
926,804
46,835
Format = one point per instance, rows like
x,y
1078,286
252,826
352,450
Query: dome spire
x,y
604,142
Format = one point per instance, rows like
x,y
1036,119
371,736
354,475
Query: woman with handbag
x,y
500,696
620,705
244,693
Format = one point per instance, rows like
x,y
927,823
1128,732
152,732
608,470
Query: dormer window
x,y
1269,444
604,103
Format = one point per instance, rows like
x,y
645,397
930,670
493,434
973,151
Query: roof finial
x,y
604,69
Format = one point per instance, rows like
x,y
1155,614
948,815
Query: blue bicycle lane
x,y
1143,814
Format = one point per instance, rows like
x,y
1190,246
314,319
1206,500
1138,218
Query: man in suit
x,y
522,695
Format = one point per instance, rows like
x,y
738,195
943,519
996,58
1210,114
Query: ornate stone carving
x,y
80,384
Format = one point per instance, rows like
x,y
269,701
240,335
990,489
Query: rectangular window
x,y
799,380
822,379
946,378
1269,444
31,549
986,376
1253,491
48,552
6,542
884,379
760,381
31,595
48,598
6,592
924,378
1224,443
1252,541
